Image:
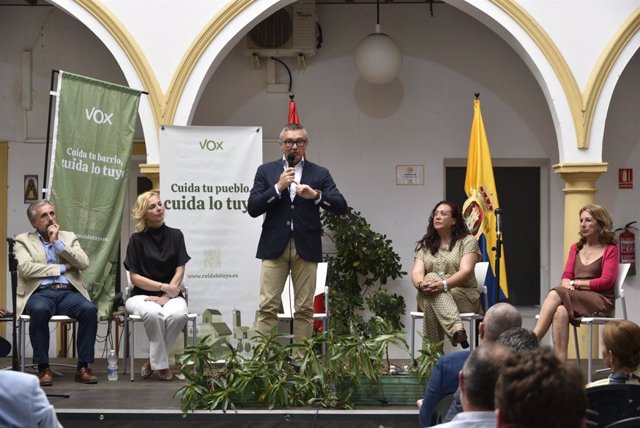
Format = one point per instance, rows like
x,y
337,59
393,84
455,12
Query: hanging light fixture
x,y
378,57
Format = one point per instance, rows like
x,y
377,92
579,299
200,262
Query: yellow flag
x,y
480,187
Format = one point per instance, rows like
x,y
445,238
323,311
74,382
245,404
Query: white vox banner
x,y
205,177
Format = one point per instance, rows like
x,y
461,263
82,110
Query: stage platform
x,y
151,403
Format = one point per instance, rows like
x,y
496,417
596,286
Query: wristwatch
x,y
572,283
445,288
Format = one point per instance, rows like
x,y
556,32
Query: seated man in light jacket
x,y
49,283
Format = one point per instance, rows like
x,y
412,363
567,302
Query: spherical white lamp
x,y
377,58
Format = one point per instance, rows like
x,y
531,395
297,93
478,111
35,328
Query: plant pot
x,y
390,390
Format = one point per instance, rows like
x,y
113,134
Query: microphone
x,y
291,157
498,221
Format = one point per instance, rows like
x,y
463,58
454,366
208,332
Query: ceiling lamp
x,y
378,57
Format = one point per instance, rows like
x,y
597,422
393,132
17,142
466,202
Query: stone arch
x,y
573,111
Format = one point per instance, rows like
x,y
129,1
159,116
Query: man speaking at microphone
x,y
290,192
49,283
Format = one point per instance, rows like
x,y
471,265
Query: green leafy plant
x,y
356,348
271,378
358,271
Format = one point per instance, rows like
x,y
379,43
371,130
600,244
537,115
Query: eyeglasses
x,y
299,142
442,213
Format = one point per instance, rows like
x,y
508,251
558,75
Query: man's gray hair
x,y
31,209
499,318
293,127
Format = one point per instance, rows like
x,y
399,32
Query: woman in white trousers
x,y
156,259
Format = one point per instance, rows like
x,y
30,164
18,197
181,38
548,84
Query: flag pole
x,y
54,72
498,250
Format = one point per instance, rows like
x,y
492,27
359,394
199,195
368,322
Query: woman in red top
x,y
586,287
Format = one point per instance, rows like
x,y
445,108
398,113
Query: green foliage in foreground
x,y
271,377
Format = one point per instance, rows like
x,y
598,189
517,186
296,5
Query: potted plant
x,y
365,320
363,263
350,372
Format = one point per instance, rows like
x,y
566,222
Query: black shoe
x,y
460,337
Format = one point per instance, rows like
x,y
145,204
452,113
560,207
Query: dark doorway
x,y
519,194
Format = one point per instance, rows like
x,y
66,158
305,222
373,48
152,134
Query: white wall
x,y
622,150
57,41
361,131
358,130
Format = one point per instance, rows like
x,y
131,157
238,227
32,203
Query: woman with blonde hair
x,y
621,352
586,286
156,259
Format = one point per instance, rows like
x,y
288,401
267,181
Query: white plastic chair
x,y
480,271
23,320
287,297
623,270
133,319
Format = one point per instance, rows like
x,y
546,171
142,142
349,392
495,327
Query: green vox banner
x,y
92,140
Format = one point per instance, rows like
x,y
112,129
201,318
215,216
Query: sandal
x,y
165,374
146,370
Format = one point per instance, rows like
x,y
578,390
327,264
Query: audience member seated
x,y
23,403
477,382
50,283
620,352
535,389
517,339
444,375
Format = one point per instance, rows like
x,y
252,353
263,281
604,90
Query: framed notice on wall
x,y
410,175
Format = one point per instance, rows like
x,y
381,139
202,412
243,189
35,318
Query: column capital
x,y
580,167
580,177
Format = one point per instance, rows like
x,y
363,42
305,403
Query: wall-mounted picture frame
x,y
410,175
30,188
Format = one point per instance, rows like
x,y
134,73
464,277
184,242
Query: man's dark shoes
x,y
460,337
46,377
84,375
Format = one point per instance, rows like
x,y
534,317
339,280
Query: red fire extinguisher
x,y
627,246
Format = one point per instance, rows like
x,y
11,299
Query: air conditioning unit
x,y
289,32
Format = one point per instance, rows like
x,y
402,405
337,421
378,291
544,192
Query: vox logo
x,y
98,116
211,145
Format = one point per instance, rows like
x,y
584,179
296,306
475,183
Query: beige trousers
x,y
272,281
442,311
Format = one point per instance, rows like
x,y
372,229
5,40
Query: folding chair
x,y
480,272
133,319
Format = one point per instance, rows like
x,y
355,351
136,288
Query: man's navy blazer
x,y
281,211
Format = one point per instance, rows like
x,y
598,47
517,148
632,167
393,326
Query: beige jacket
x,y
33,266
